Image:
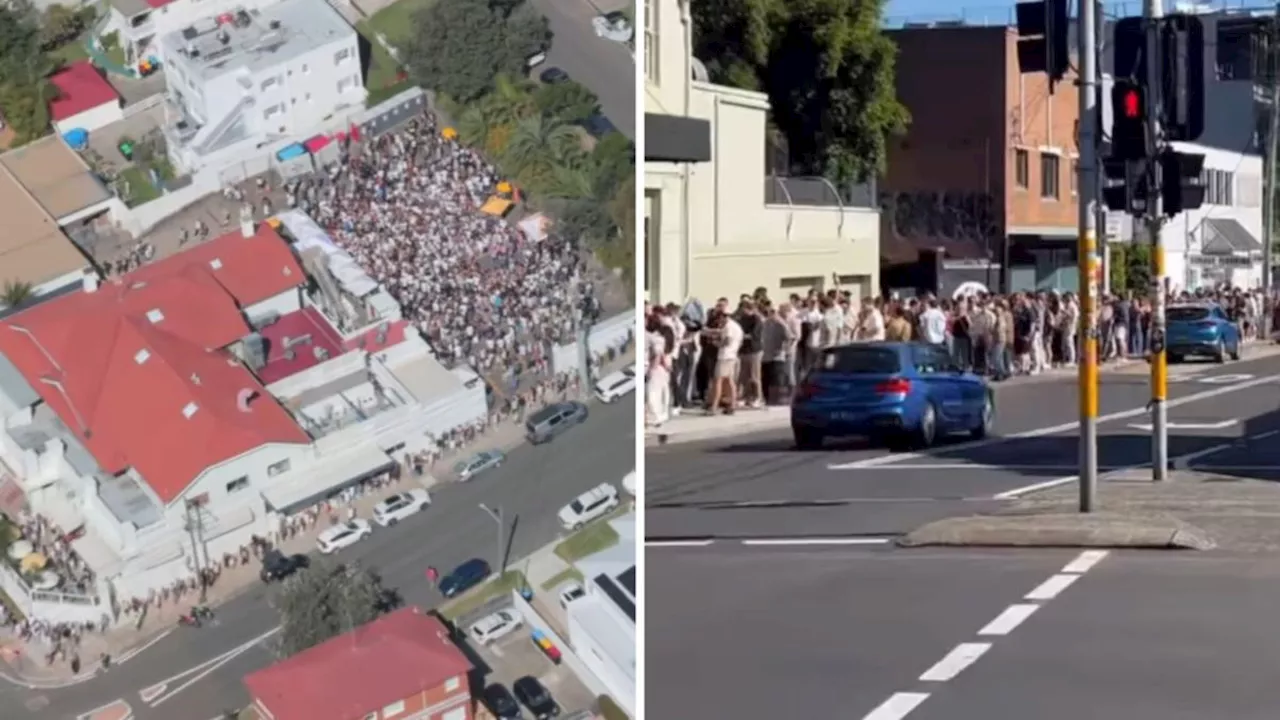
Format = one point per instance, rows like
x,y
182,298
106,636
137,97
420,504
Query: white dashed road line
x,y
677,543
775,542
901,704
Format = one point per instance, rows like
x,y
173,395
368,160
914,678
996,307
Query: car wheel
x,y
927,431
577,526
988,418
1220,352
392,522
807,439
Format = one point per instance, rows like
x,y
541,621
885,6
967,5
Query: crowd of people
x,y
745,356
406,205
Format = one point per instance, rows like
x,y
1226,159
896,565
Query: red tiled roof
x,y
128,362
391,658
158,3
80,87
307,322
250,269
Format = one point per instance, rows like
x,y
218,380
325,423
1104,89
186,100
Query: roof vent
x,y
245,397
137,285
287,271
195,379
154,315
216,263
142,356
189,409
89,283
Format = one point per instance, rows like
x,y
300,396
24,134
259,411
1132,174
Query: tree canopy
x,y
326,600
828,70
24,68
460,46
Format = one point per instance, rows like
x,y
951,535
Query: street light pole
x,y
496,516
1159,357
1088,262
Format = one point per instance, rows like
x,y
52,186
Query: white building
x,y
717,223
138,23
244,79
176,412
602,625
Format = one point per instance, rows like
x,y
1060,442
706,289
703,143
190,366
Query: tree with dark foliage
x,y
326,600
460,46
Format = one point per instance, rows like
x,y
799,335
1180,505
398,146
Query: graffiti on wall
x,y
956,216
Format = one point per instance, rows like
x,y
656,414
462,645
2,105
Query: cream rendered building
x,y
716,225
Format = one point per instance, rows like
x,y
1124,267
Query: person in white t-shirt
x,y
933,324
724,387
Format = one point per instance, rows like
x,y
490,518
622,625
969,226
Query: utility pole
x,y
1269,174
496,516
1088,263
1153,12
197,542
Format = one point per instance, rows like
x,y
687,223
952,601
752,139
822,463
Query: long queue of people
x,y
729,357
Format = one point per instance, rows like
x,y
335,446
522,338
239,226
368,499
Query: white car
x,y
612,26
570,592
400,506
616,386
594,503
495,625
343,535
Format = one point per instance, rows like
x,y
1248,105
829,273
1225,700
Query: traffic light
x,y
1042,38
1182,77
1181,187
1125,186
1128,120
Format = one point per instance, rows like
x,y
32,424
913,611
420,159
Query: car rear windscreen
x,y
861,360
1186,314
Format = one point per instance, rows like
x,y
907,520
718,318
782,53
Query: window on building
x,y
1022,169
1234,49
344,85
452,684
651,40
306,69
1050,176
393,709
1075,178
342,56
273,111
270,83
238,484
277,468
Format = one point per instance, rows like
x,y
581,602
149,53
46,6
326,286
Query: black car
x,y
464,577
552,76
500,702
278,566
535,697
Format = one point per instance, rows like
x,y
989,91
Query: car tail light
x,y
896,386
806,391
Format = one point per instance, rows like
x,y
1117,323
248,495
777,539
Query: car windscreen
x,y
861,360
577,506
1186,314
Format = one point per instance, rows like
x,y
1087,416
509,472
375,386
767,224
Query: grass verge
x,y
396,20
588,541
510,580
561,578
140,188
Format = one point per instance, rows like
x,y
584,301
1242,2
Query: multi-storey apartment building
x,y
718,221
244,78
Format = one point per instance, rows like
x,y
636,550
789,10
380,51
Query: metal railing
x,y
996,15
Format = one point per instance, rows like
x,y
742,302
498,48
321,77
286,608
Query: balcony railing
x,y
988,15
816,192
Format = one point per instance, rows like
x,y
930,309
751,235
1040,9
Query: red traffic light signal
x,y
1132,102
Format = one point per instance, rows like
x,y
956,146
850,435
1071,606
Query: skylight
x,y
154,315
142,356
190,410
216,263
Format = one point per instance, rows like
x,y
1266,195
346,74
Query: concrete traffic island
x,y
1190,511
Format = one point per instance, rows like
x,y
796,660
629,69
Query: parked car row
x,y
528,692
390,511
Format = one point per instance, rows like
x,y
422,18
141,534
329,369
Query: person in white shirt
x,y
933,324
870,324
724,387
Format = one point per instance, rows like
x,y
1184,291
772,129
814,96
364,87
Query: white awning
x,y
328,474
307,234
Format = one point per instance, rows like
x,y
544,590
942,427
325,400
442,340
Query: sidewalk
x,y
134,633
695,425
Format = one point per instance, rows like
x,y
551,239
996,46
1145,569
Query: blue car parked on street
x,y
1201,329
905,394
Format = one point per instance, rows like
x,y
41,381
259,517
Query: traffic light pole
x,y
1159,359
1087,256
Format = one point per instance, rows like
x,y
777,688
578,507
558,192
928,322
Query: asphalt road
x,y
530,487
759,486
606,67
932,635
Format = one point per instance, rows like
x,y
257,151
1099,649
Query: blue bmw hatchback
x,y
905,394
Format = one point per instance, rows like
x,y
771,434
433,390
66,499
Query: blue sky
x,y
939,9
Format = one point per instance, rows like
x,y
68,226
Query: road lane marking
x,y
677,543
126,657
1265,435
1049,589
1034,487
115,710
897,707
1008,620
151,693
1057,429
1182,462
1220,425
954,662
1085,561
203,670
817,541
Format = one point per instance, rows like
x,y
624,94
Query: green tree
x,y
62,25
615,155
327,600
569,102
24,68
460,46
828,70
15,293
540,147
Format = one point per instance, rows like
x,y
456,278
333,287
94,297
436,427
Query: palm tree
x,y
510,100
474,125
538,147
16,293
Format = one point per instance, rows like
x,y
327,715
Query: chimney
x,y
90,281
246,221
244,398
